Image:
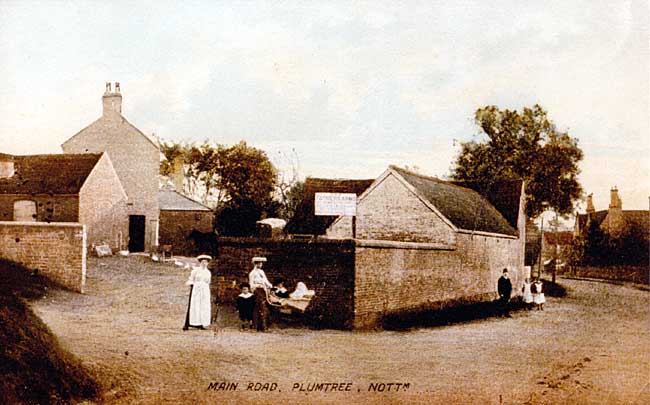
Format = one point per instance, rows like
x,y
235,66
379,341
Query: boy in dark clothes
x,y
245,303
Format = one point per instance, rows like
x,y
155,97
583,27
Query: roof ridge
x,y
60,155
186,197
337,179
435,179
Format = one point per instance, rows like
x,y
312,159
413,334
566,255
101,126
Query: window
x,y
25,211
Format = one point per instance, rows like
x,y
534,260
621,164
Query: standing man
x,y
504,288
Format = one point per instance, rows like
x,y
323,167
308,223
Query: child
x,y
528,295
279,290
245,303
538,295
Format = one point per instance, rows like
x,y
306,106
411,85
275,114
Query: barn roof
x,y
49,174
304,220
463,206
504,195
171,200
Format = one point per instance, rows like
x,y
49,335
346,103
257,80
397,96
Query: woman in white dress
x,y
199,306
528,294
538,294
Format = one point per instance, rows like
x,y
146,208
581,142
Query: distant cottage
x,y
65,188
628,230
615,221
136,158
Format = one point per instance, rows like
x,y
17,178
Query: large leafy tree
x,y
237,181
523,145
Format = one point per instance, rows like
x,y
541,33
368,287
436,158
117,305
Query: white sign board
x,y
335,204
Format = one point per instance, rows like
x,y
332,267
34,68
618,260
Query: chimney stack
x,y
178,173
590,204
6,166
112,100
615,200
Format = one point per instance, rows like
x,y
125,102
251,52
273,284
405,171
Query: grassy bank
x,y
33,366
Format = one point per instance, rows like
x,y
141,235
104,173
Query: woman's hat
x,y
203,257
258,259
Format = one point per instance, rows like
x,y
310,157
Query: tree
x,y
237,182
293,197
523,145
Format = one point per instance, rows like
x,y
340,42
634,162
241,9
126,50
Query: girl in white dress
x,y
199,306
528,294
538,294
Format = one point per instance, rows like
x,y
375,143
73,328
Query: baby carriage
x,y
295,304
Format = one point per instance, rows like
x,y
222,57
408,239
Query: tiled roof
x,y
464,207
638,221
49,174
171,200
305,221
562,238
504,195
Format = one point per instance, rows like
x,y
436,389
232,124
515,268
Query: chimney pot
x,y
112,101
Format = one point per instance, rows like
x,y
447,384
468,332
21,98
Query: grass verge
x,y
33,366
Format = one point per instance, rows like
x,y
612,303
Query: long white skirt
x,y
200,306
539,298
528,296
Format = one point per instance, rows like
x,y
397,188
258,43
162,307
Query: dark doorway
x,y
136,233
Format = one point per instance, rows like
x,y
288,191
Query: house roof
x,y
49,174
171,200
638,220
464,207
151,138
598,217
562,238
304,220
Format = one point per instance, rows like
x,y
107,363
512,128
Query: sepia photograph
x,y
325,202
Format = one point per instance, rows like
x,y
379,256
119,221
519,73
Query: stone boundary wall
x,y
397,278
634,274
326,266
56,249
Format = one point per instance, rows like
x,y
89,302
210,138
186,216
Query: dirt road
x,y
591,346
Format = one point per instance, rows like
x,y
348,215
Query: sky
x,y
343,88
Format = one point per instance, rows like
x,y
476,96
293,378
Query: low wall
x,y
634,274
56,249
326,266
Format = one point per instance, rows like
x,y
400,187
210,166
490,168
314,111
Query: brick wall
x,y
176,226
58,208
102,206
392,212
57,250
324,266
135,158
394,277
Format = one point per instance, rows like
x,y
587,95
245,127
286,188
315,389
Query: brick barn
x,y
81,188
136,158
421,243
180,216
